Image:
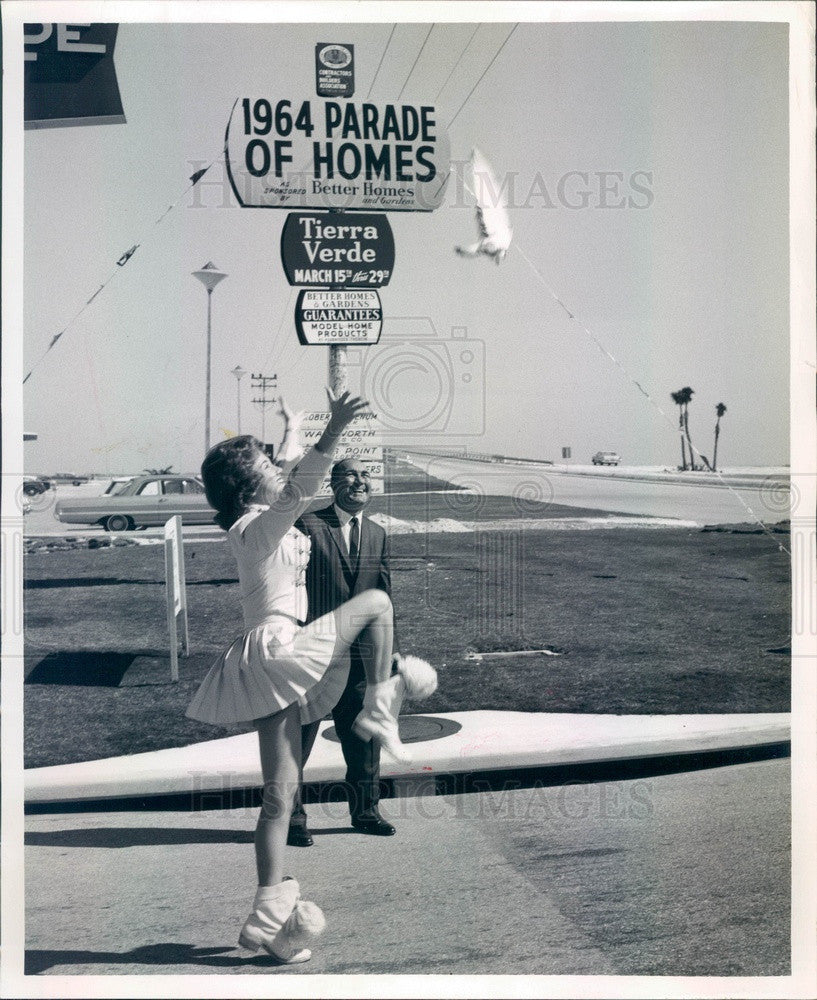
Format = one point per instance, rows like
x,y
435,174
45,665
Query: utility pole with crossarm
x,y
263,383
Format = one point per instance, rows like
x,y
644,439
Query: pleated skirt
x,y
268,668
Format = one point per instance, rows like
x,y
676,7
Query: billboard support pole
x,y
338,381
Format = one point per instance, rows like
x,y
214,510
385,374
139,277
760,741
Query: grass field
x,y
646,621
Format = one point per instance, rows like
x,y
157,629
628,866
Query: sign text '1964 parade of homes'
x,y
284,153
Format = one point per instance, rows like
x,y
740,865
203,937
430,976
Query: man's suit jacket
x,y
330,579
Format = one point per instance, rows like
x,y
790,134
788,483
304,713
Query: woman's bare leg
x,y
370,617
279,739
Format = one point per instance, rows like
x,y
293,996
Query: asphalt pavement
x,y
731,498
682,874
701,498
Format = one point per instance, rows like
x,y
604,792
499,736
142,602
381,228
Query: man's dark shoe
x,y
299,836
374,825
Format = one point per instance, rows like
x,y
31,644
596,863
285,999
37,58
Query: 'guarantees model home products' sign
x,y
339,316
284,153
319,249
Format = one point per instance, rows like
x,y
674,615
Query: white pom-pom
x,y
420,677
304,923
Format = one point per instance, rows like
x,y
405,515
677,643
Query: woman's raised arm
x,y
305,479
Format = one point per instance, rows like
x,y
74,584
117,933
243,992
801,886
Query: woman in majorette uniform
x,y
279,674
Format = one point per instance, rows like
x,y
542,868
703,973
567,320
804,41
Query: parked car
x,y
606,458
116,485
143,502
33,485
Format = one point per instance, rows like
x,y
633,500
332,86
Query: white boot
x,y
280,923
415,679
378,719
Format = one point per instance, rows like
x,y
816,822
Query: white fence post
x,y
176,592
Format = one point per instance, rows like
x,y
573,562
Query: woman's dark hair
x,y
230,481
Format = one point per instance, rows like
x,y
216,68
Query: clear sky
x,y
685,285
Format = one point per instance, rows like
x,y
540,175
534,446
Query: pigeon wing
x,y
492,216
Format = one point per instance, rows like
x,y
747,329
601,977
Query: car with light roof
x,y
143,502
606,458
116,485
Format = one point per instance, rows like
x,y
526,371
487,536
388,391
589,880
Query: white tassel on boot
x,y
381,705
305,923
420,677
281,923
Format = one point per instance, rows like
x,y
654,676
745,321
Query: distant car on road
x,y
144,501
70,477
33,485
606,458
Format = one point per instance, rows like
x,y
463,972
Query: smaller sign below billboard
x,y
360,440
339,316
334,69
336,248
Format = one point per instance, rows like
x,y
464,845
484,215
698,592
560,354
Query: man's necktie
x,y
354,542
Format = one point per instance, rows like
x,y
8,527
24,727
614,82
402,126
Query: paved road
x,y
650,495
684,874
621,490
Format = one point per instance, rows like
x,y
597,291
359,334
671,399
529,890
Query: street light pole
x,y
239,373
209,276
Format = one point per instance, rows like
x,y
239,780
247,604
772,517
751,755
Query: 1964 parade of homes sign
x,y
319,249
285,152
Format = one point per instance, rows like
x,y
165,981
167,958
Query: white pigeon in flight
x,y
493,224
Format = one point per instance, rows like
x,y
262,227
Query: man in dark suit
x,y
349,554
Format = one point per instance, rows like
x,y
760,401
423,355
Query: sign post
x,y
338,382
176,593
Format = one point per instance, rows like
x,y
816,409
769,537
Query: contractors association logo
x,y
334,69
335,56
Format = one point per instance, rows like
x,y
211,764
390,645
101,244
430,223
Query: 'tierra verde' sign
x,y
336,154
319,248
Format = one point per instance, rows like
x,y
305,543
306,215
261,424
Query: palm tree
x,y
720,409
158,472
686,398
677,399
